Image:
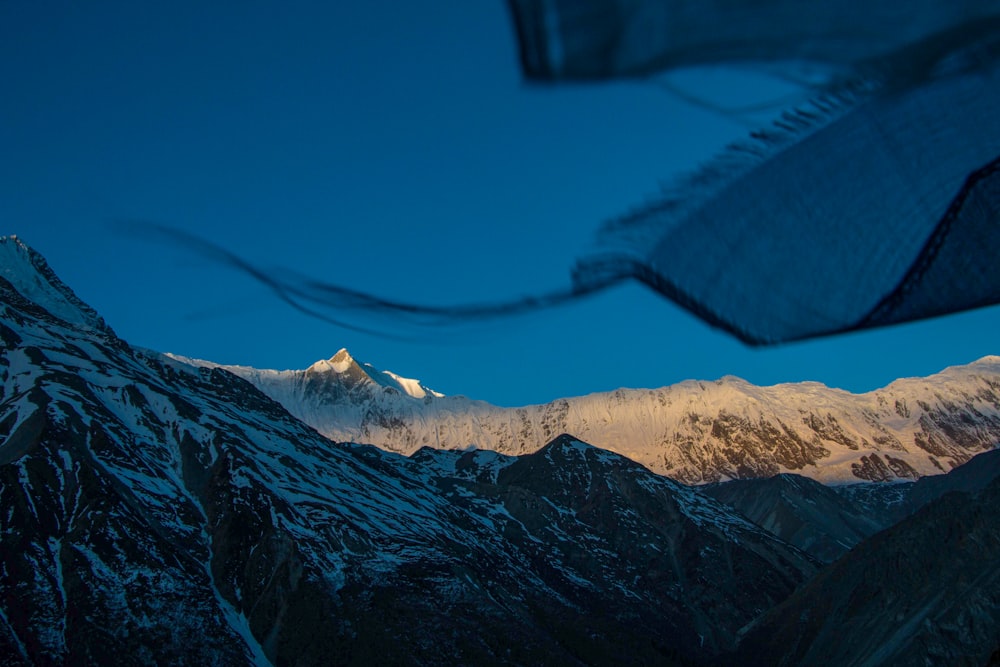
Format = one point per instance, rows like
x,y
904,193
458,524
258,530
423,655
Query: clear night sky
x,y
388,147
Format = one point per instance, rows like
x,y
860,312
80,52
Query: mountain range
x,y
694,432
158,511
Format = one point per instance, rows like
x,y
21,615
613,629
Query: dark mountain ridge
x,y
923,592
155,512
827,521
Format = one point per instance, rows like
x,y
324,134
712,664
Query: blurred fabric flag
x,y
596,39
877,202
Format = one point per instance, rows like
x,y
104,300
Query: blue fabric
x,y
595,39
877,203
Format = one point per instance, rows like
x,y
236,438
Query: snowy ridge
x,y
694,431
341,368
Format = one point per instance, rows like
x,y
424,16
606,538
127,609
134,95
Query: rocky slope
x,y
924,592
827,521
802,512
694,432
156,512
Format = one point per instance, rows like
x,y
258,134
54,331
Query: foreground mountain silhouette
x,y
157,512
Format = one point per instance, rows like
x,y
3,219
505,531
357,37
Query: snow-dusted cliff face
x,y
693,431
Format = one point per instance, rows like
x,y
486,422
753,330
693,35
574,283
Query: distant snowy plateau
x,y
693,432
156,510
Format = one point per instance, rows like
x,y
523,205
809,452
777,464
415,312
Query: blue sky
x,y
387,148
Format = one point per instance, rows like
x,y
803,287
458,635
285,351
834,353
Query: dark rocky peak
x,y
564,446
564,466
677,550
601,487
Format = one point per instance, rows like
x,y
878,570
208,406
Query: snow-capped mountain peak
x,y
30,275
352,373
341,361
342,364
